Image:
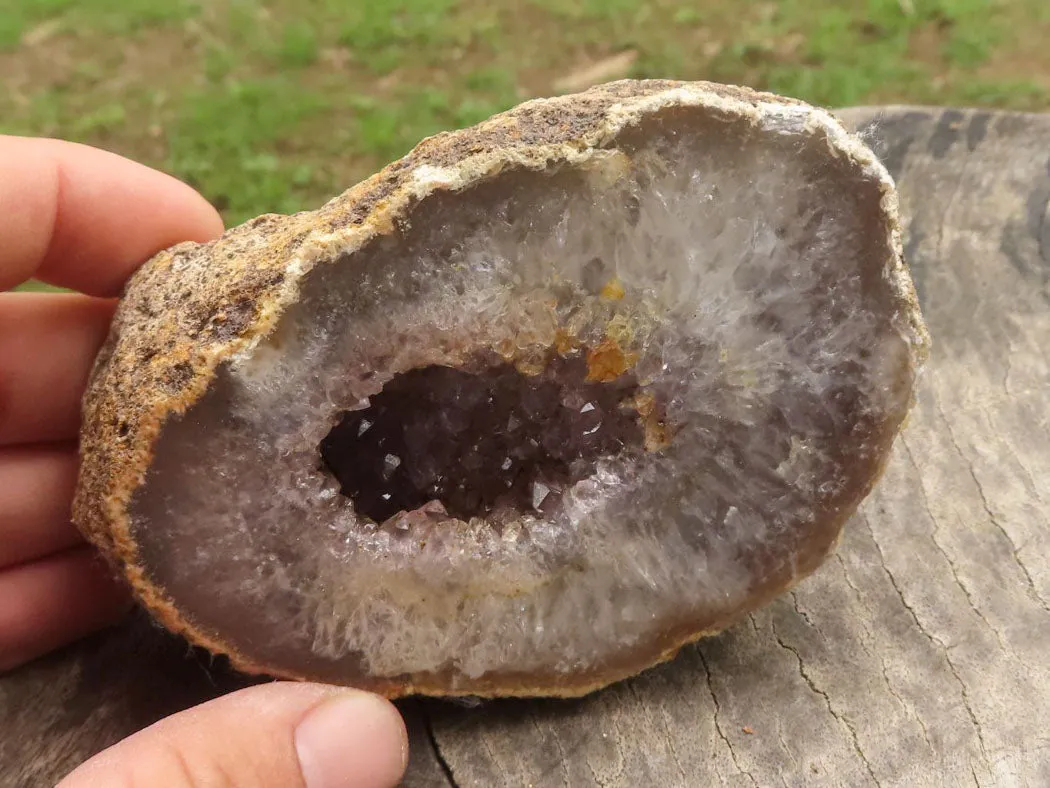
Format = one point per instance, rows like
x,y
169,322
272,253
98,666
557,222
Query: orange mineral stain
x,y
564,342
657,431
608,361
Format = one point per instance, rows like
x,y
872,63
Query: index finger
x,y
83,218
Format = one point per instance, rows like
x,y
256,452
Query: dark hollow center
x,y
479,441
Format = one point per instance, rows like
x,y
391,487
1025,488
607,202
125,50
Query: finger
x,y
36,487
49,603
48,343
83,218
278,735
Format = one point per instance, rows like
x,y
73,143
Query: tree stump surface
x,y
919,654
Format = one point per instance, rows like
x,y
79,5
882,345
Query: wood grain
x,y
918,655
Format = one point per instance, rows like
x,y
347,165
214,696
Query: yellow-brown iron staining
x,y
564,342
657,431
608,361
613,290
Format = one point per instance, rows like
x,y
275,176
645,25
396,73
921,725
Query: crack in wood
x,y
446,768
803,615
1042,231
940,548
1014,549
794,761
908,709
842,720
718,724
562,762
1009,365
1029,481
662,724
619,753
963,171
933,639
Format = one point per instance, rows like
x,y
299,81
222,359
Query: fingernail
x,y
353,740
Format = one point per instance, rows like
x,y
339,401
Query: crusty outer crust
x,y
194,306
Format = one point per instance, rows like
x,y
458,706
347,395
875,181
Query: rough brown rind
x,y
194,306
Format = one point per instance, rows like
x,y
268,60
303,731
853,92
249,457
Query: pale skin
x,y
84,219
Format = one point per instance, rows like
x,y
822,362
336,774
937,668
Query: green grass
x,y
121,17
382,36
279,106
227,141
299,47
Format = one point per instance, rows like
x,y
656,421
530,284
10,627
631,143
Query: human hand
x,y
84,219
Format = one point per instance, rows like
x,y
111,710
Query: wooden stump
x,y
918,655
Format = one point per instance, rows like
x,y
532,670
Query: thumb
x,y
281,734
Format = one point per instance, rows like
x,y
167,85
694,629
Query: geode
x,y
523,413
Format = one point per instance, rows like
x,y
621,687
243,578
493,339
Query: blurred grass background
x,y
278,106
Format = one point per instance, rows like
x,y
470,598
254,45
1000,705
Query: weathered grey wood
x,y
918,655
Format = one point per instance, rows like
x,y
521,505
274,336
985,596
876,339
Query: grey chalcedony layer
x,y
734,254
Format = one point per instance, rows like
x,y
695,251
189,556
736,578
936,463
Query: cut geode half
x,y
524,412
